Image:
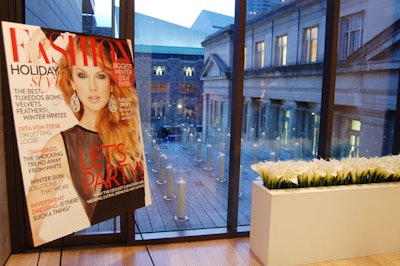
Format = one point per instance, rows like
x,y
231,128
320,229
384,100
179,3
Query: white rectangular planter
x,y
297,226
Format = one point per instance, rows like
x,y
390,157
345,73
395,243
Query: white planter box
x,y
297,226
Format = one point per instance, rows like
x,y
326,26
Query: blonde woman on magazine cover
x,y
102,152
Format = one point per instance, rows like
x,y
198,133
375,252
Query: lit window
x,y
351,31
188,71
355,128
245,57
310,41
285,129
187,88
281,50
315,133
157,110
159,88
159,70
259,55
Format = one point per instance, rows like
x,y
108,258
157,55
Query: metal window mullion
x,y
236,114
328,78
127,31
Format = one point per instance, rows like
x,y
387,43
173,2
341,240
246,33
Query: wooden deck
x,y
207,198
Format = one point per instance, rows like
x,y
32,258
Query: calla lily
x,y
318,172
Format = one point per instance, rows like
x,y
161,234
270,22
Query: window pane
x,y
281,50
185,110
282,101
350,31
366,81
310,42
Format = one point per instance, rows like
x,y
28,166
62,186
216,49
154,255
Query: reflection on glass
x,y
281,108
366,86
177,114
183,74
107,227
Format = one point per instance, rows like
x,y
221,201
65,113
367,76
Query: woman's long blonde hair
x,y
111,128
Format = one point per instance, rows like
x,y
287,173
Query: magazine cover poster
x,y
77,124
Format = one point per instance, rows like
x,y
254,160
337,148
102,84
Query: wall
x,y
5,237
8,12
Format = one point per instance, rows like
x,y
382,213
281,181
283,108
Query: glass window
x,y
185,95
365,97
245,57
310,45
354,135
187,126
315,134
187,88
281,50
159,87
259,55
159,70
285,128
281,111
350,34
188,71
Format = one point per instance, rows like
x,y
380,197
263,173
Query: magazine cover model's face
x,y
92,84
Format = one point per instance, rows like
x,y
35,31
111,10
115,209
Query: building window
x,y
158,111
281,50
310,44
351,33
159,70
315,133
355,128
285,128
259,55
245,57
188,71
186,88
159,88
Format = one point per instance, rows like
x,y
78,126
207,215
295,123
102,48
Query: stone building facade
x,y
284,53
171,83
168,64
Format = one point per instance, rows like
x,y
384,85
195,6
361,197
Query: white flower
x,y
332,172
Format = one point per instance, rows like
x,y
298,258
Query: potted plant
x,y
305,212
